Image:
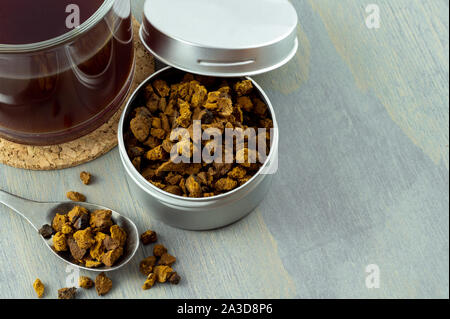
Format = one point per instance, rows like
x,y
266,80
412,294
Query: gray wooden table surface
x,y
363,176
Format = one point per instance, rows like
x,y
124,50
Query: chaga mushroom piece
x,y
174,278
59,221
101,219
245,103
110,257
60,242
135,151
39,288
161,87
76,252
155,154
76,213
199,95
147,264
84,238
85,178
75,196
82,222
163,273
212,99
67,293
237,173
226,106
118,234
140,127
98,249
109,243
184,119
158,133
85,282
173,189
243,87
149,237
184,168
89,263
173,179
46,231
193,186
102,284
159,250
167,260
206,117
150,282
66,229
225,184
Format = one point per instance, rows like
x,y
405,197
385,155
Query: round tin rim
x,y
215,73
268,43
141,181
222,59
66,37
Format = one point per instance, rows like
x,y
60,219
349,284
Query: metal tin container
x,y
197,213
231,38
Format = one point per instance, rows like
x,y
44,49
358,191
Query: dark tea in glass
x,y
59,82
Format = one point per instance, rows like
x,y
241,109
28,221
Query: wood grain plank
x,y
404,63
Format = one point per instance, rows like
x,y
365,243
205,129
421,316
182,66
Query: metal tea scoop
x,y
39,214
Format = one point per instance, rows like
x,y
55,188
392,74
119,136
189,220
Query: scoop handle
x,y
26,208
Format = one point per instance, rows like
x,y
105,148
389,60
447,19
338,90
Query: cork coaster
x,y
86,148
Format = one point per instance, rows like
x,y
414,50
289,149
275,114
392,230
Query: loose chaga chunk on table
x,y
85,178
91,238
167,106
67,293
149,237
39,288
147,264
75,196
103,284
158,268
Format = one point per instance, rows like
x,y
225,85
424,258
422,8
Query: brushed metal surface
x,y
197,213
221,38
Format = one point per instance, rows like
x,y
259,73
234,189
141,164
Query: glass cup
x,y
63,88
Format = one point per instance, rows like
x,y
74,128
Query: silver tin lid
x,y
221,38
